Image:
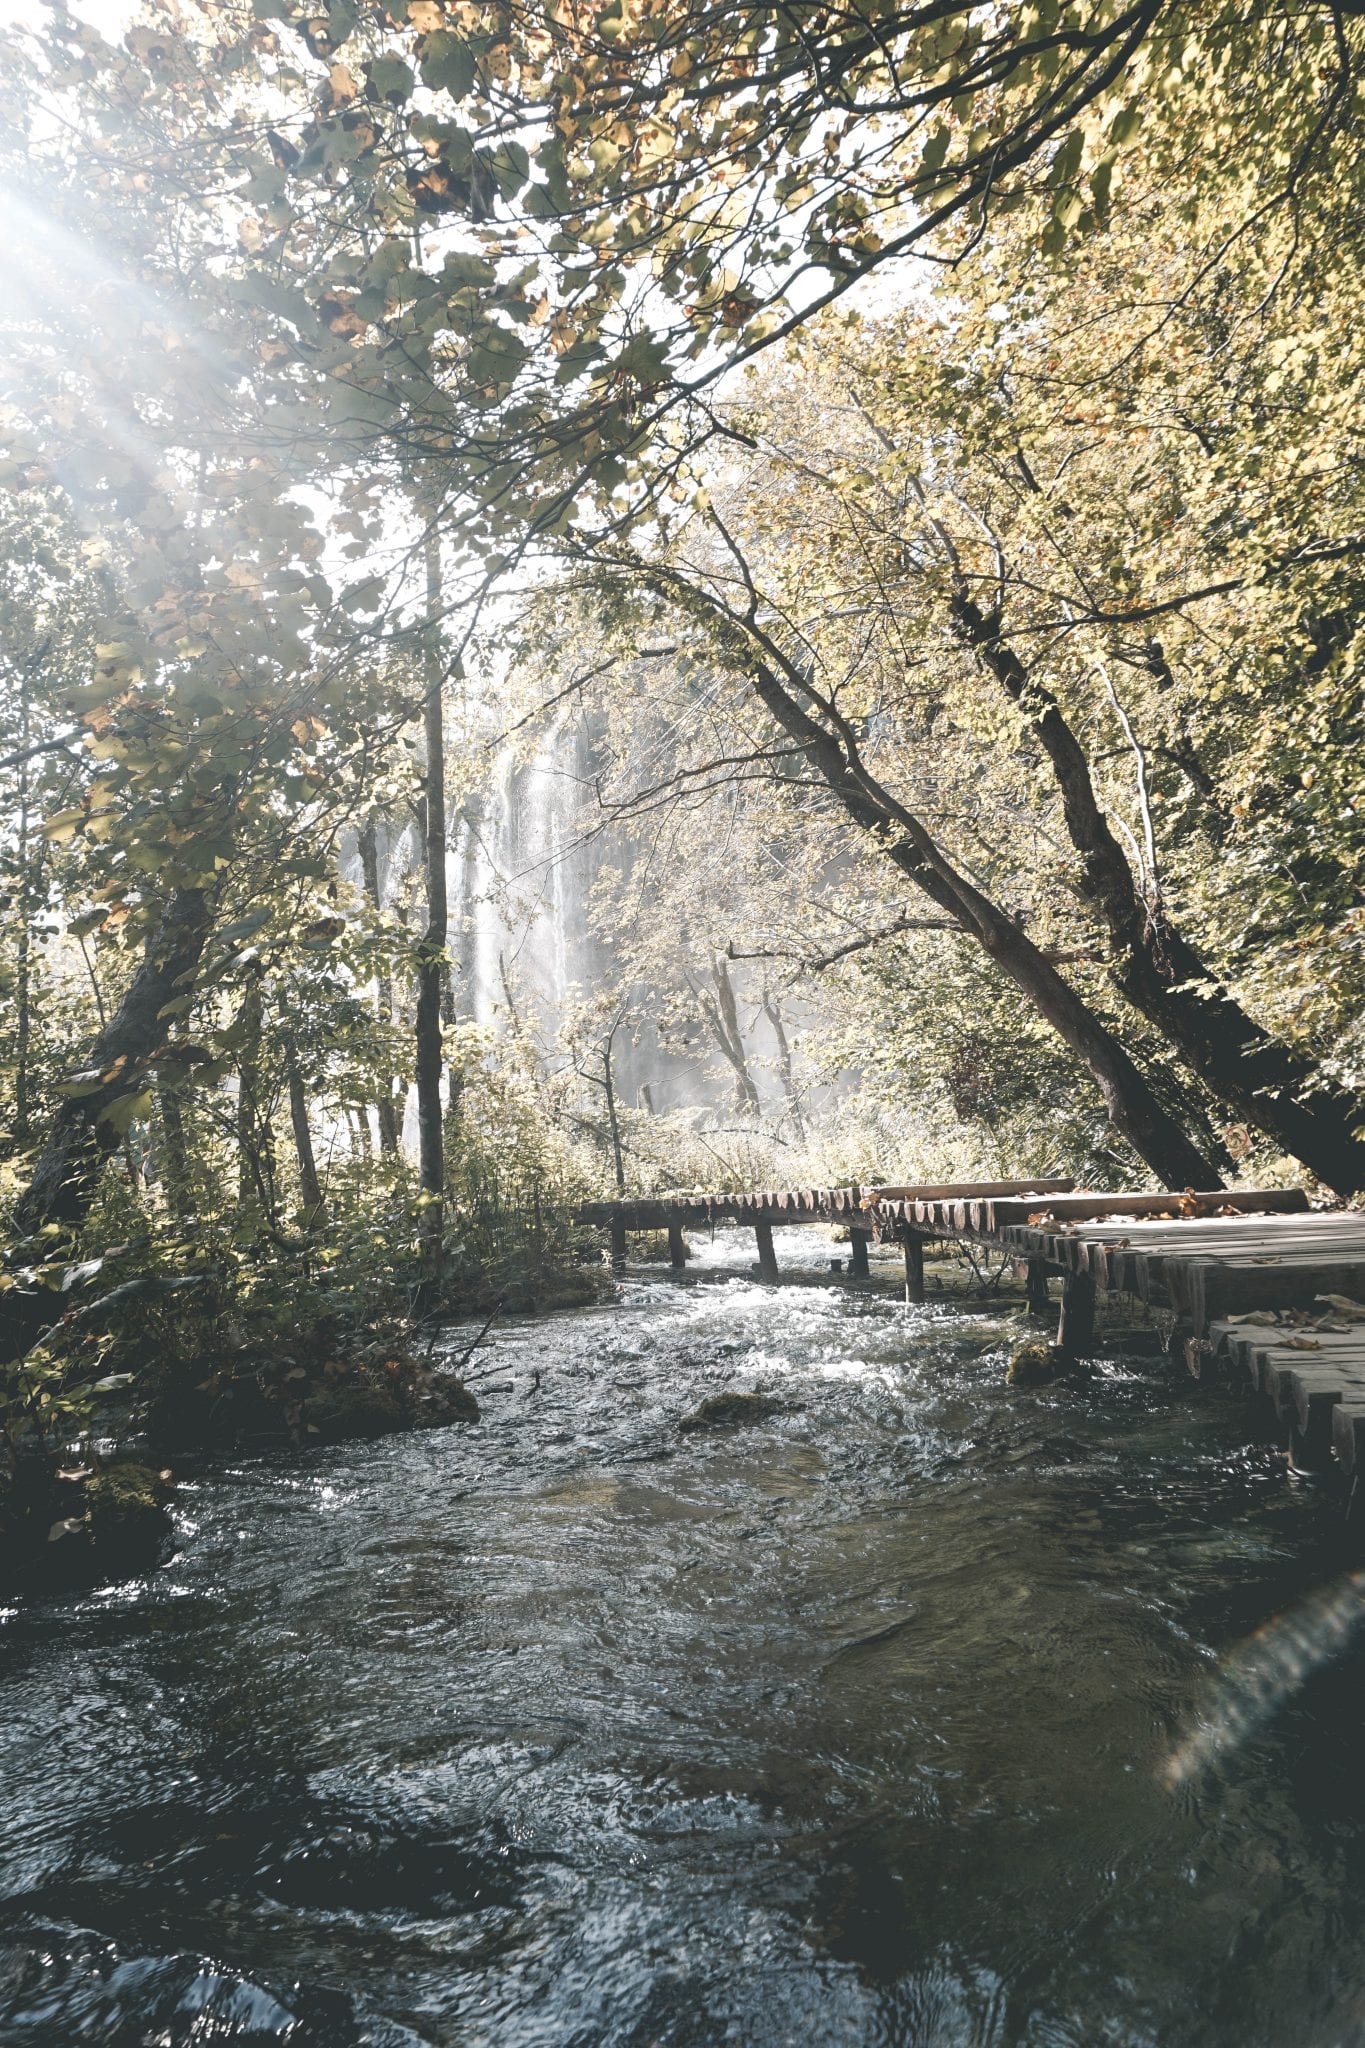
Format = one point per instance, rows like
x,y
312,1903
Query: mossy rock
x,y
733,1410
535,1293
338,1410
570,1287
342,1408
1035,1365
446,1400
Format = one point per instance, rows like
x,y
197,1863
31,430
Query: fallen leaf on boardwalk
x,y
1354,1310
1302,1344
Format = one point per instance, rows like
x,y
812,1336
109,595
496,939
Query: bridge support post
x,y
618,1242
677,1255
914,1266
767,1257
1076,1324
1038,1304
857,1244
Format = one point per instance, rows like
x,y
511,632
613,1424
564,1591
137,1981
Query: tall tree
x,y
432,956
386,1107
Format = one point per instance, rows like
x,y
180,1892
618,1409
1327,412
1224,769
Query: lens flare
x,y
1264,1673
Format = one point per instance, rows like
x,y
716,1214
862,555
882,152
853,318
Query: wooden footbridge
x,y
1255,1275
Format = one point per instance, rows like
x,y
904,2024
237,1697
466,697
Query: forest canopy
x,y
657,594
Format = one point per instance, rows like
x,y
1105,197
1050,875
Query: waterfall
x,y
520,876
519,886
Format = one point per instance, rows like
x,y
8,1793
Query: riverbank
x,y
184,1374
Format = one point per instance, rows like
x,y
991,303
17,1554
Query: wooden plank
x,y
1150,1273
1209,1289
966,1190
1232,1237
1333,1226
1252,1347
1083,1207
1305,1397
1348,1435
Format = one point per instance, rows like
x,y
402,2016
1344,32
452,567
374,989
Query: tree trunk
x,y
179,1193
1132,1105
314,1208
722,1021
23,992
64,1178
1161,974
454,1075
80,1138
746,1094
431,951
772,1010
613,1121
387,1112
255,1161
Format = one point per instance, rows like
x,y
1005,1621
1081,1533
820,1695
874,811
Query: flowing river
x,y
577,1730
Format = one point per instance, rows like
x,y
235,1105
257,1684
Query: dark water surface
x,y
572,1730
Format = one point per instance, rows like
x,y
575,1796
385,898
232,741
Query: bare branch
x,y
817,961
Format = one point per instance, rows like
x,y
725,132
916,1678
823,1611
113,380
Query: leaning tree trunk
x,y
1129,1098
1161,974
84,1130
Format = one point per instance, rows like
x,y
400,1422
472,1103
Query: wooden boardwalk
x,y
868,1213
1249,1274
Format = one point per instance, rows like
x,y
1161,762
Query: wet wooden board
x,y
1316,1379
1155,1261
950,1191
1348,1434
988,1214
1205,1265
1209,1288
